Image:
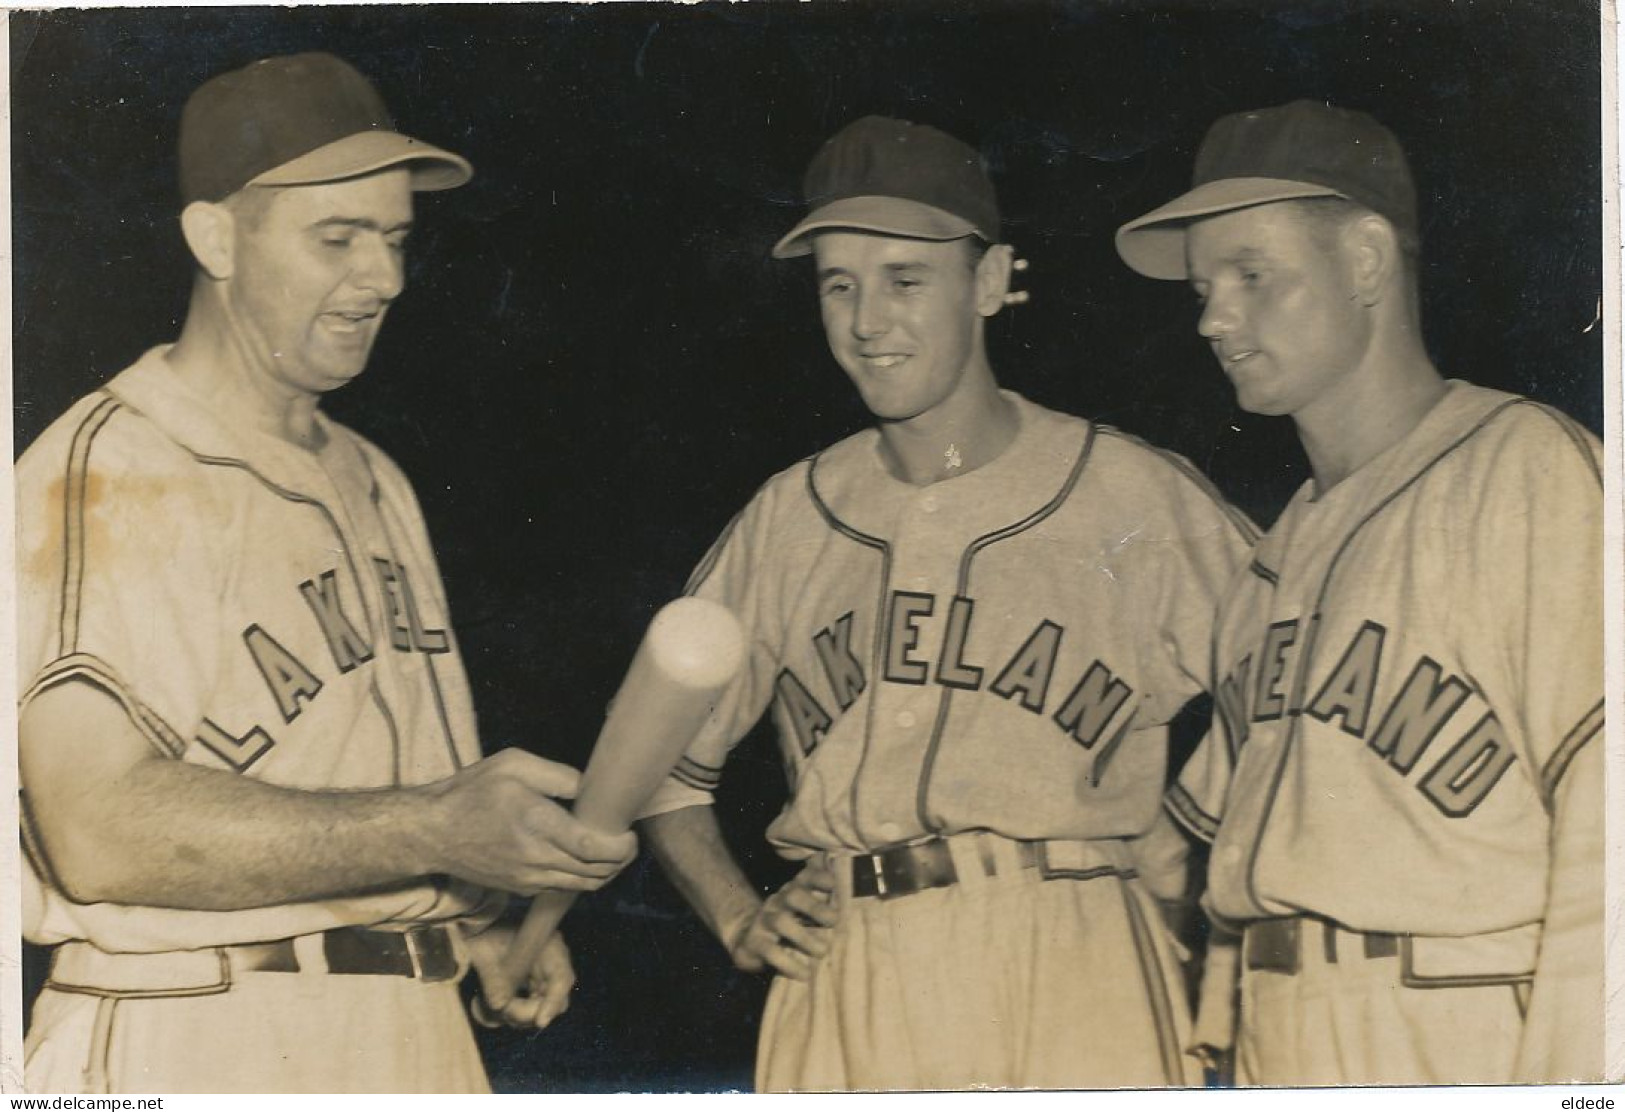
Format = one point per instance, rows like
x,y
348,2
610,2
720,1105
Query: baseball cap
x,y
896,178
1302,149
299,119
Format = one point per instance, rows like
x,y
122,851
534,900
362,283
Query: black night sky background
x,y
596,363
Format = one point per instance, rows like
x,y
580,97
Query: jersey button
x,y
905,719
929,503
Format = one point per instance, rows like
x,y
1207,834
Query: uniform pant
x,y
269,1033
1011,981
1346,1018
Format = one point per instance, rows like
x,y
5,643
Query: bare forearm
x,y
183,836
119,823
689,846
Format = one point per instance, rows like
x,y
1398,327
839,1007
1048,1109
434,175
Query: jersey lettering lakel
x,y
1001,650
254,607
1406,669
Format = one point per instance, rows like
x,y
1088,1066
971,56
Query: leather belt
x,y
423,953
904,870
1281,945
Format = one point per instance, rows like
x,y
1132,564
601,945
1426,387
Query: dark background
x,y
596,362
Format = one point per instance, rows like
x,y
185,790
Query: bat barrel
x,y
693,649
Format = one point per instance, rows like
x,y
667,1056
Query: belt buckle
x,y
877,870
917,868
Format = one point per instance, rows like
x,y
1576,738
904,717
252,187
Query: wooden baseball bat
x,y
693,649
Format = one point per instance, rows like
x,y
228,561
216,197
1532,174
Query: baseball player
x,y
972,623
1403,781
256,819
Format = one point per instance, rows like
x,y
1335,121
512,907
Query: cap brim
x,y
890,216
367,152
1154,244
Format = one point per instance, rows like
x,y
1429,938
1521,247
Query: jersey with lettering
x,y
254,608
998,651
1405,673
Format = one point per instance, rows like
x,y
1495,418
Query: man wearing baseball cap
x,y
258,828
1403,781
973,622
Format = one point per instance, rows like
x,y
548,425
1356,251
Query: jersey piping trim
x,y
973,550
349,559
84,666
428,658
1313,627
875,668
1243,525
1156,989
1264,573
697,775
1552,775
76,484
1180,806
389,723
440,708
291,496
713,554
1571,429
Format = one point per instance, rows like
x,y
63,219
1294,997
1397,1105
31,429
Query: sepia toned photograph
x,y
809,548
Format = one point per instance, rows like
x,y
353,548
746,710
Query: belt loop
x,y
413,953
990,863
310,950
101,1038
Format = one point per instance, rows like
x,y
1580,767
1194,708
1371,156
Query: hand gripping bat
x,y
693,649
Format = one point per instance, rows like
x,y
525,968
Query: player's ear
x,y
210,234
1374,256
993,278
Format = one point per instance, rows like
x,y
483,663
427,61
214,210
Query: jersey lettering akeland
x,y
254,607
1001,650
1406,670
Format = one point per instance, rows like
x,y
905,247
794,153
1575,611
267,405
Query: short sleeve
x,y
120,573
1538,546
731,574
1208,544
1185,548
1196,797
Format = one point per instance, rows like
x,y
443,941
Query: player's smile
x,y
901,318
317,273
884,361
352,325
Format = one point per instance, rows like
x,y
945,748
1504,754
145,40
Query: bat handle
x,y
540,922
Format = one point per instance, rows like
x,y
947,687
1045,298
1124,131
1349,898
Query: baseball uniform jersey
x,y
1405,673
993,657
269,612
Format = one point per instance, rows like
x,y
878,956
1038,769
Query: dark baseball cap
x,y
1302,149
895,178
300,119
